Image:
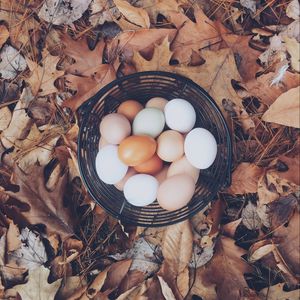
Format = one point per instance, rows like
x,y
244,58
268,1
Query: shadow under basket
x,y
142,87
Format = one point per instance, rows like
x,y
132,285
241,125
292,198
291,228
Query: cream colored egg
x,y
170,145
157,102
176,192
182,166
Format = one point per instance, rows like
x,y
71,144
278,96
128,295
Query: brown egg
x,y
170,145
120,185
162,175
136,149
176,192
157,102
151,166
130,109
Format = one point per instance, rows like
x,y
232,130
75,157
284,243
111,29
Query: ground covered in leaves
x,y
55,243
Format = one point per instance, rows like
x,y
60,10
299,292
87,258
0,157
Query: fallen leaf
x,y
4,34
285,110
250,218
63,12
260,249
42,77
245,178
12,236
37,284
103,11
230,228
167,292
131,279
183,282
293,48
133,14
45,207
194,36
11,62
264,90
265,196
5,117
276,292
69,287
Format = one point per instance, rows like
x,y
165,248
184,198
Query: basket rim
x,y
83,114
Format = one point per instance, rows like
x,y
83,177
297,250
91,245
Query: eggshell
x,y
149,121
102,142
141,189
120,185
136,149
157,102
200,148
109,167
151,166
176,192
180,115
114,128
170,145
162,174
182,166
130,109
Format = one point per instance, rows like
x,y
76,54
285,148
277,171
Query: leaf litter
x,y
55,243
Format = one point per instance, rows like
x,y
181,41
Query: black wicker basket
x,y
141,87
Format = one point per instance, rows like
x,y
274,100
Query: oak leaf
x,y
245,178
285,110
38,286
45,207
43,76
135,15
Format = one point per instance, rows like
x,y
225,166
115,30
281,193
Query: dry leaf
x,y
276,292
4,34
245,178
11,62
285,110
293,48
103,11
260,249
37,284
266,91
69,287
250,218
230,228
183,282
167,292
12,236
45,207
133,14
194,36
42,77
5,117
63,12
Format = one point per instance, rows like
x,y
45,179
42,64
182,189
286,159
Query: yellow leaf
x,y
285,110
133,14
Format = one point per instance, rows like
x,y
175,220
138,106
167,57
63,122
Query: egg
x,y
109,167
114,128
151,166
182,166
180,115
130,109
200,148
120,185
176,192
102,142
157,102
141,189
170,145
136,149
162,174
149,121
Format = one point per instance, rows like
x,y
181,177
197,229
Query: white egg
x,y
109,167
149,121
141,189
200,148
180,115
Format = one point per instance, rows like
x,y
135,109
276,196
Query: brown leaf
x,y
166,290
42,77
293,48
277,292
260,249
230,228
265,196
131,279
194,36
226,270
4,34
183,282
263,89
71,285
133,14
245,178
45,207
12,236
285,110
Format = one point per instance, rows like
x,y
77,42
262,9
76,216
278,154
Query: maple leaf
x,y
45,207
42,77
37,284
285,110
215,75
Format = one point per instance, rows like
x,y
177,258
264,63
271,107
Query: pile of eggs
x,y
153,153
